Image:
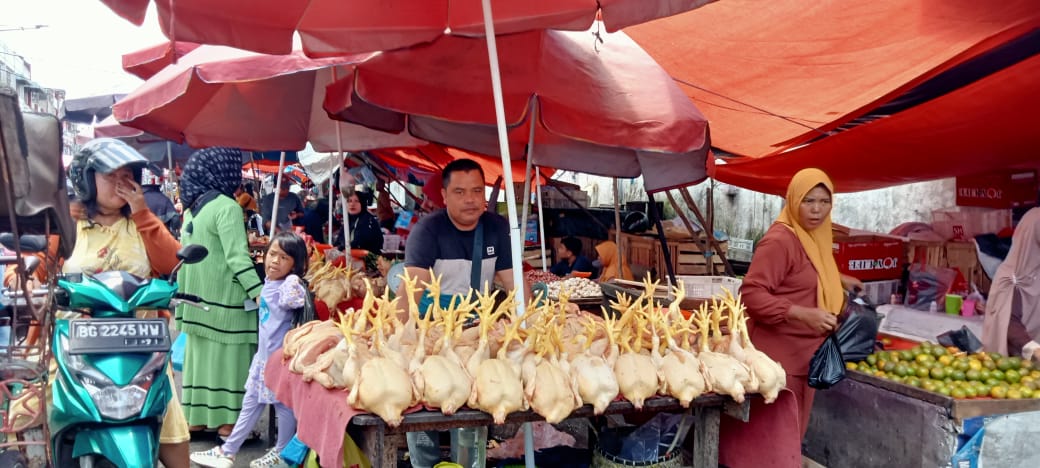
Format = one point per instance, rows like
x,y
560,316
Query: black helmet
x,y
102,155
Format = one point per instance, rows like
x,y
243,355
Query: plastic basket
x,y
605,460
702,288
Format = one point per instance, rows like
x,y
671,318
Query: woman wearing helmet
x,y
117,231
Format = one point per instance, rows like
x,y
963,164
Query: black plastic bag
x,y
827,367
859,328
302,315
963,339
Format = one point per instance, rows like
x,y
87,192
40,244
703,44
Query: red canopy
x,y
772,75
433,158
332,27
219,96
148,61
602,108
989,124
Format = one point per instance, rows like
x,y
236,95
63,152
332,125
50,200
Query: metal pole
x,y
503,144
277,194
541,218
617,229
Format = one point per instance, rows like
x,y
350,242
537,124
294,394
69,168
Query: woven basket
x,y
604,460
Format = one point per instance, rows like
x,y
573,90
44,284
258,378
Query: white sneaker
x,y
270,459
213,458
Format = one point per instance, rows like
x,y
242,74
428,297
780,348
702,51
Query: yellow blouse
x,y
106,248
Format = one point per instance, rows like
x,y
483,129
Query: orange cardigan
x,y
160,245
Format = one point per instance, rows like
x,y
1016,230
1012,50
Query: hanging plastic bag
x,y
859,328
827,368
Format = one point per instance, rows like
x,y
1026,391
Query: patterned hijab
x,y
216,169
818,243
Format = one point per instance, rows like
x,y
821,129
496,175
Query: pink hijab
x,y
1019,272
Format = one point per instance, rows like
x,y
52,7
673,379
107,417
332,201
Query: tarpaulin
x,y
772,75
986,125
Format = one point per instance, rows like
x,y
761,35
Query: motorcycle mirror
x,y
192,253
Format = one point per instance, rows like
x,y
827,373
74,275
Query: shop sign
x,y
1008,189
870,258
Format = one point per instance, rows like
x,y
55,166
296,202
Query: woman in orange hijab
x,y
607,252
793,290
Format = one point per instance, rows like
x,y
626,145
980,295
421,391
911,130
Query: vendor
x,y
793,290
290,207
1012,324
446,242
365,232
571,259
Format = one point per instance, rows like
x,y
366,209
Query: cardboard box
x,y
1004,189
963,224
870,258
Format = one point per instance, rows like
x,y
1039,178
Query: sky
x,y
81,48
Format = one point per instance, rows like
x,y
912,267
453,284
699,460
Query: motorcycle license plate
x,y
87,336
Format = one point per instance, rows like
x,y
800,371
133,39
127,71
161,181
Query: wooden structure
x,y
867,421
688,256
381,443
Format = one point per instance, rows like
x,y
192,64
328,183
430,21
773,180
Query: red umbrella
x,y
433,158
331,27
601,108
148,61
219,96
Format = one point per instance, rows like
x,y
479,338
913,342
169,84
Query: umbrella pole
x,y
329,198
541,218
342,174
526,182
503,144
617,230
277,193
527,172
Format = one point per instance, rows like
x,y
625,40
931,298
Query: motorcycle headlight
x,y
115,402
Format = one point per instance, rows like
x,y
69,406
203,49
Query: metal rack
x,y
32,202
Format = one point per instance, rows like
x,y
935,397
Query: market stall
x,y
367,374
868,420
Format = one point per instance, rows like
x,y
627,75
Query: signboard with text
x,y
1007,189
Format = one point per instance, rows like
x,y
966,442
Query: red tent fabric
x,y
772,75
989,124
333,27
219,96
600,108
433,158
147,62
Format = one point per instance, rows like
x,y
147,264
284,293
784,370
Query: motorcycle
x,y
111,388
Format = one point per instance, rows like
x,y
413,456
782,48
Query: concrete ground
x,y
251,450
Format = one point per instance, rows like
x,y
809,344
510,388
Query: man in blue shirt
x,y
571,259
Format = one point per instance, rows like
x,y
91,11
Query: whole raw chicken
x,y
634,369
549,388
770,374
593,373
497,388
383,386
440,379
723,372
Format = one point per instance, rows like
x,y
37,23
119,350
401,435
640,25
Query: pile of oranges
x,y
954,373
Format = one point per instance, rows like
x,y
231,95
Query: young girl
x,y
284,264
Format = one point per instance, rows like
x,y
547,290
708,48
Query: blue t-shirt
x,y
562,268
436,243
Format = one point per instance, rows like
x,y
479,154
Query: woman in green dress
x,y
222,340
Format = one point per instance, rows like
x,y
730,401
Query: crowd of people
x,y
793,289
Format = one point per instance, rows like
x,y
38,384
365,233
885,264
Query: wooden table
x,y
380,442
867,421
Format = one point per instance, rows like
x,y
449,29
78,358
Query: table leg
x,y
706,436
378,447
